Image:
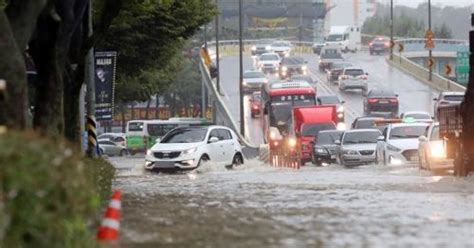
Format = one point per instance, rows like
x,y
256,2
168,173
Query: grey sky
x,y
414,3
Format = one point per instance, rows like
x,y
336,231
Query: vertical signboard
x,y
462,67
105,64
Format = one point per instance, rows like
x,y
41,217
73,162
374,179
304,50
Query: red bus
x,y
278,100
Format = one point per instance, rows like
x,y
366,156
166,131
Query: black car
x,y
379,45
292,65
382,103
335,71
324,147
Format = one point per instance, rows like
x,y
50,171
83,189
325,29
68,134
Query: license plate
x,y
414,158
384,102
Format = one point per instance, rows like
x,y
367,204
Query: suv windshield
x,y
254,74
293,61
328,100
269,57
454,98
407,132
334,37
364,137
313,129
365,123
185,135
354,72
328,138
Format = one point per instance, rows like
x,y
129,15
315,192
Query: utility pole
x,y
241,72
89,78
203,86
391,30
218,77
430,54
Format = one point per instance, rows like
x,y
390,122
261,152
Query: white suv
x,y
185,148
353,78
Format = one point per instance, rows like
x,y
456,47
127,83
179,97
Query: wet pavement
x,y
260,206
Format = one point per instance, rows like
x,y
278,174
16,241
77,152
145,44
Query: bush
x,y
50,195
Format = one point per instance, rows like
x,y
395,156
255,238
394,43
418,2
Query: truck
x,y
308,121
348,38
450,129
329,55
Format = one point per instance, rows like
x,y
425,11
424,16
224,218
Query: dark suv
x,y
292,65
379,45
381,103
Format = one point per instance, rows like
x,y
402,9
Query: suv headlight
x,y
284,68
349,152
393,148
340,109
254,48
149,152
189,151
268,47
321,150
304,67
292,142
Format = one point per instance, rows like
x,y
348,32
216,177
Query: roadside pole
x,y
391,30
241,72
218,77
89,78
430,54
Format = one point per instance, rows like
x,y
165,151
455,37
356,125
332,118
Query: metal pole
x,y
89,78
430,55
241,72
205,36
218,77
391,30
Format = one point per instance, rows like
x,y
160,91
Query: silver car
x,y
110,148
357,147
253,80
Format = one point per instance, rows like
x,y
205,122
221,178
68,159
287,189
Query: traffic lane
x,y
255,205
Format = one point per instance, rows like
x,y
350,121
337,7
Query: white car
x,y
447,98
253,80
399,143
269,62
357,147
353,78
432,150
416,116
283,48
186,148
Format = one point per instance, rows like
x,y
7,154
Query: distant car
x,y
110,148
328,56
379,45
335,71
317,47
432,150
269,62
357,147
367,122
447,98
399,143
333,100
118,138
416,116
186,148
262,46
381,102
292,65
325,148
306,78
353,78
283,48
253,80
255,104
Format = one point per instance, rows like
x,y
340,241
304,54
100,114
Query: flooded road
x,y
261,206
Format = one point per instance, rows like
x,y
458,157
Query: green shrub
x,y
51,195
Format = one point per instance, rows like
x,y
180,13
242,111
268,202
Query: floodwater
x,y
260,206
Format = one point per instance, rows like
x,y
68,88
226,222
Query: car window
x,y
269,57
224,134
407,132
185,135
435,133
381,93
135,126
254,74
314,129
328,100
418,116
106,143
214,133
454,98
363,137
119,139
328,138
293,61
354,72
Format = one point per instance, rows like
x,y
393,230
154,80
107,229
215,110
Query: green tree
x,y
443,32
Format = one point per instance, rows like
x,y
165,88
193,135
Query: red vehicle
x,y
307,123
255,103
278,100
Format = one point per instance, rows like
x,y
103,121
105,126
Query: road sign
x,y
430,62
400,47
462,67
429,43
448,69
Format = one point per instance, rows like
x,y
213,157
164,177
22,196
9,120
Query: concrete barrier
x,y
422,74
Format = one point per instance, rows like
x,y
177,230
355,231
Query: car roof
x,y
413,124
362,130
416,112
353,68
369,118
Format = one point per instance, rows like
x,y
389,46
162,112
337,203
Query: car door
x,y
228,145
215,150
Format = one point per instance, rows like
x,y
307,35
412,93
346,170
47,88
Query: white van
x,y
347,37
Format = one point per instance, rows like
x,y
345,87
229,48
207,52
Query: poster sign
x,y
105,64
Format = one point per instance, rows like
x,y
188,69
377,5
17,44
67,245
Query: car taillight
x,y
393,100
387,44
364,77
372,100
370,44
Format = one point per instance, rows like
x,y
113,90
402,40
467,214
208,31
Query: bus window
x,y
135,126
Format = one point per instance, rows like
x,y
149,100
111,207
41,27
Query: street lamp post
x,y
218,84
391,30
241,72
430,54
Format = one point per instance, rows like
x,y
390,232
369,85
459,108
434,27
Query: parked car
x,y
353,78
399,142
253,80
255,104
357,147
283,48
118,138
325,148
269,62
447,98
335,71
381,102
110,148
379,45
292,65
262,46
186,148
416,116
432,150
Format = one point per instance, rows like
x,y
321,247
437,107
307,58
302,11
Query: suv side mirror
x,y
381,138
213,140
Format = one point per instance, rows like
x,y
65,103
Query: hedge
x,y
50,196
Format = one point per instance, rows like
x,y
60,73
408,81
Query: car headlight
x,y
268,47
349,152
437,150
189,151
393,148
304,67
321,150
284,68
341,126
292,142
254,48
149,152
340,115
244,83
340,109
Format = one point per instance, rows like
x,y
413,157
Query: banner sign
x,y
105,64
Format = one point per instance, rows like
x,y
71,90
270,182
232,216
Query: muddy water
x,y
259,206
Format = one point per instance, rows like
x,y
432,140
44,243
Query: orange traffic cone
x,y
109,229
